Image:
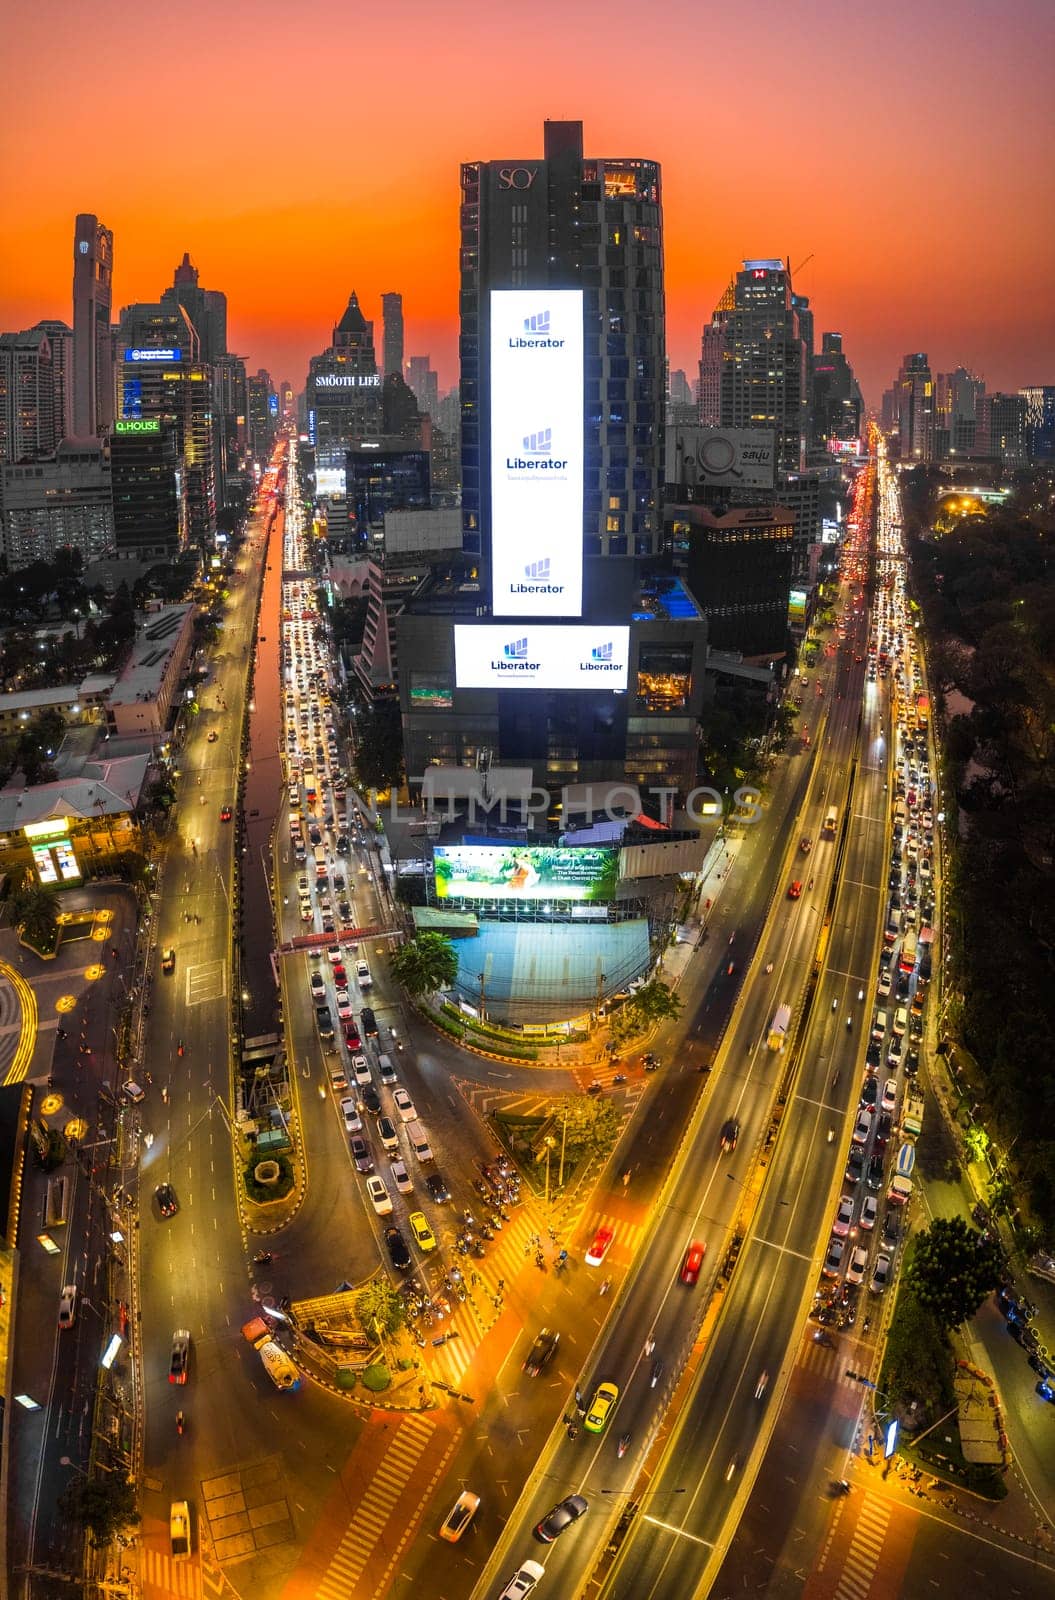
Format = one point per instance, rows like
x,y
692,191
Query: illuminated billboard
x,y
536,452
724,457
541,656
521,872
152,355
137,425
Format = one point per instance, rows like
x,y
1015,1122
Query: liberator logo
x,y
536,335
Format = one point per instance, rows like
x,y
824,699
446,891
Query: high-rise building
x,y
148,508
93,265
163,377
261,418
27,396
57,502
343,396
60,335
1040,420
1002,428
914,395
207,309
738,564
837,409
424,384
582,677
764,363
392,342
957,405
286,399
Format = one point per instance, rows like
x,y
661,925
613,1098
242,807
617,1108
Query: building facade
x,y
738,566
27,396
392,342
149,514
57,502
93,266
343,396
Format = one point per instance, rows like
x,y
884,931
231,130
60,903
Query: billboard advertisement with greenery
x,y
522,872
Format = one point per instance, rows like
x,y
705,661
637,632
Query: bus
x,y
907,960
831,818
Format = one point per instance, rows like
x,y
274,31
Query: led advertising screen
x,y
541,656
521,872
536,452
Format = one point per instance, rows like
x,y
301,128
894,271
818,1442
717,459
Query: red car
x,y
225,813
794,889
690,1271
340,976
352,1039
600,1247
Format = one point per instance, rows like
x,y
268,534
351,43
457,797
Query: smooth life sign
x,y
536,452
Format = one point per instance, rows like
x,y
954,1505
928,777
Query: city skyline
x,y
953,198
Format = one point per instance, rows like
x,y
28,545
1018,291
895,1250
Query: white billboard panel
x,y
537,656
742,457
536,452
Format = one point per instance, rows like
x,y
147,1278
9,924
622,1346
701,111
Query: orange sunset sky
x,y
300,151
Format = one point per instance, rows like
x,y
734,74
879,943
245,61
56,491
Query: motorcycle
x,y
179,1048
264,1258
487,1232
624,1445
620,1077
831,1135
732,1468
835,1004
849,1023
179,1421
762,1385
478,1248
657,1373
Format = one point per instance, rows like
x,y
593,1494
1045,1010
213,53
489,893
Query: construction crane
x,y
804,263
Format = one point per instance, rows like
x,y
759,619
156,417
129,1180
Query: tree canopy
x,y
952,1269
425,963
102,1506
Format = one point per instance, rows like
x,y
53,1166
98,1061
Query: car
x,y
424,1237
869,1213
858,1266
344,909
342,844
318,986
344,1005
225,813
168,959
179,1530
367,1023
404,1105
601,1406
844,1216
523,1580
863,1125
212,736
729,1135
1044,1388
883,986
371,1099
563,1514
833,1260
884,1123
352,1039
794,889
805,845
880,1275
893,1055
361,1070
379,1196
542,1352
364,1161
400,1177
602,1243
855,1165
334,955
68,1306
165,1196
459,1516
869,1091
353,1122
180,1357
874,1173
436,1185
690,1267
911,1063
398,1249
386,1129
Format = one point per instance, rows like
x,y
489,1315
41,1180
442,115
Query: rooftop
x,y
155,642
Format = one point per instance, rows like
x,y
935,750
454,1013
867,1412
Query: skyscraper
x,y
424,384
343,396
1040,420
60,336
764,360
93,390
914,391
837,407
27,395
392,347
957,405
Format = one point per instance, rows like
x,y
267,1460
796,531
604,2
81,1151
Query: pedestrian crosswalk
x,y
158,1572
366,1528
828,1363
866,1547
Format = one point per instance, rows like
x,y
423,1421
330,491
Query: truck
x,y
912,1115
900,1191
778,1028
277,1364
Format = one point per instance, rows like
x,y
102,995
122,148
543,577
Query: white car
x,y
401,1178
869,1213
379,1196
881,1275
855,1272
862,1125
68,1306
353,1122
890,1095
318,986
344,1005
334,954
361,1070
883,986
523,1580
404,1105
844,1216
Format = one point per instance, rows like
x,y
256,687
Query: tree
x,y
654,1002
587,1124
103,1506
380,1307
424,964
952,1269
34,913
379,746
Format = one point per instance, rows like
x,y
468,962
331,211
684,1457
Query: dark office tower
x,y
93,389
914,399
837,407
207,309
261,417
593,225
392,350
148,514
958,400
764,360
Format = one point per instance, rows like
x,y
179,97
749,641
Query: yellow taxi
x,y
601,1407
